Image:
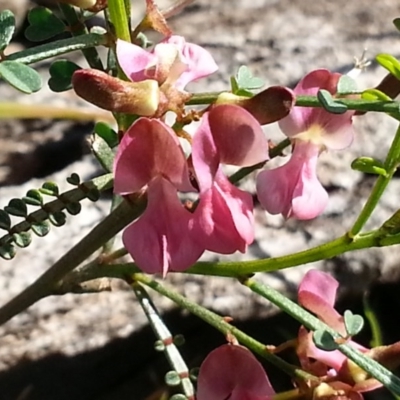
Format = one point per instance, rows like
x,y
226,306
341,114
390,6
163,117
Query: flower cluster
x,y
170,235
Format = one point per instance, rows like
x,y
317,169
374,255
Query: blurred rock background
x,y
97,346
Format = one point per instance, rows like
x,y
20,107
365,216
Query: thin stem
x,y
312,101
165,337
224,327
369,365
44,285
78,28
57,48
381,183
237,269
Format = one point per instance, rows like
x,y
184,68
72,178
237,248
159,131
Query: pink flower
x,y
173,61
231,372
223,220
317,293
294,189
150,155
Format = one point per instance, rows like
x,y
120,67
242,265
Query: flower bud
x,y
268,106
113,94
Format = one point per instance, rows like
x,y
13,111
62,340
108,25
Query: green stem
x,y
120,19
45,284
57,48
224,327
78,28
237,269
274,152
312,101
391,163
386,377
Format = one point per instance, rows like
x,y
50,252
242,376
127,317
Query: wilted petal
x,y
149,148
232,372
316,124
161,239
317,293
199,62
293,189
223,220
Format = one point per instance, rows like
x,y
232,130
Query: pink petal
x,y
317,293
199,62
238,136
231,371
161,239
223,220
134,60
149,148
335,130
293,189
205,154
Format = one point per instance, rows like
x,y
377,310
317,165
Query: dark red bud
x,y
113,94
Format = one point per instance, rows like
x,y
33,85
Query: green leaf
x,y
61,72
246,80
73,208
106,133
58,218
20,76
396,23
330,105
17,207
5,220
324,340
159,345
369,165
103,152
74,179
22,239
353,323
392,225
375,94
43,25
7,251
50,188
172,378
390,63
346,85
7,28
33,198
41,228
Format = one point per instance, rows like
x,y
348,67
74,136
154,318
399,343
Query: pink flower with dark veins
x,y
293,189
231,372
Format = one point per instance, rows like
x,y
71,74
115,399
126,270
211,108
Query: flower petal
x,y
317,293
231,371
149,148
223,220
199,62
293,189
238,136
316,124
161,239
134,60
